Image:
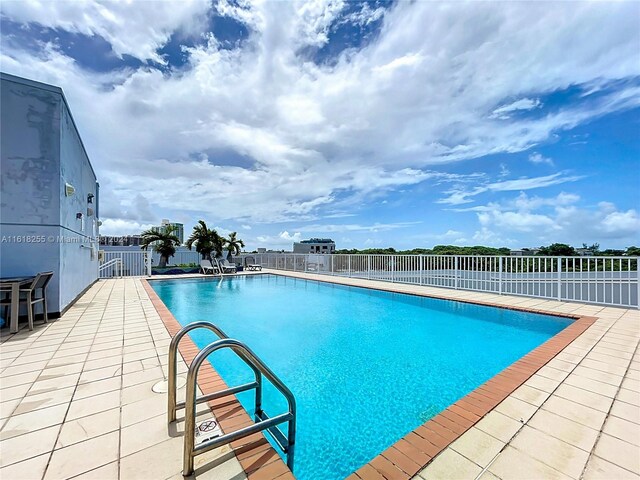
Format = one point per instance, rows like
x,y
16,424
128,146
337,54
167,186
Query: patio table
x,y
13,285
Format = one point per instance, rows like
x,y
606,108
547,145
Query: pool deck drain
x,y
77,401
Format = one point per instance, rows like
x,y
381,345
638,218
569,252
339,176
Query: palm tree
x,y
233,245
206,240
163,241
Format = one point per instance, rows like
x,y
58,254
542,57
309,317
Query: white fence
x,y
132,263
600,280
136,262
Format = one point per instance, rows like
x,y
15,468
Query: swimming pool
x,y
366,366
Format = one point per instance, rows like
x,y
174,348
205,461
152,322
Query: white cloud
x,y
291,238
375,227
123,227
365,16
284,240
504,112
316,136
621,223
138,30
553,219
458,196
538,158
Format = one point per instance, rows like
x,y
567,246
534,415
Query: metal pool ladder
x,y
262,420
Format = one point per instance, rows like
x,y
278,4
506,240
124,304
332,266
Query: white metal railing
x,y
136,262
111,269
600,280
133,263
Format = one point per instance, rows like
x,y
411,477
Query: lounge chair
x,y
226,267
207,266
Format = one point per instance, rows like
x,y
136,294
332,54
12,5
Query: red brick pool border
x,y
414,451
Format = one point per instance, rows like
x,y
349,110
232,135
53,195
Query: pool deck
x,y
76,401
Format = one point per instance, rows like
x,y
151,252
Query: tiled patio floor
x,y
76,399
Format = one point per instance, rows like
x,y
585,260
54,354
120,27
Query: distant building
x,y
121,241
315,245
262,250
524,252
178,229
584,252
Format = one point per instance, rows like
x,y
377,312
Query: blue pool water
x,y
366,366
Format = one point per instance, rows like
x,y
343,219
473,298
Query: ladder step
x,y
275,432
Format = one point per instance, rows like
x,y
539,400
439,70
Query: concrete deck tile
x,y
30,469
530,395
105,472
592,385
8,407
42,386
44,400
599,469
478,446
144,434
513,464
450,464
82,457
622,429
499,426
81,429
578,413
584,397
555,453
138,411
629,396
618,452
32,444
98,403
31,421
564,429
626,411
15,393
517,409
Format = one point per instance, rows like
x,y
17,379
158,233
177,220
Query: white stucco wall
x,y
40,151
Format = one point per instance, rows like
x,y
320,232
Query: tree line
x,y
555,249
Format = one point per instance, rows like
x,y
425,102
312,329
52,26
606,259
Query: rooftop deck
x,y
76,401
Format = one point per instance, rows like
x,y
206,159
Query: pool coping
x,y
413,452
256,456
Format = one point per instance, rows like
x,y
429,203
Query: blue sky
x,y
374,123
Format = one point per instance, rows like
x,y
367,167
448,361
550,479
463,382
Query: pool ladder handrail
x,y
263,421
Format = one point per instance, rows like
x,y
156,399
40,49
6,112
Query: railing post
x,y
455,272
500,275
331,263
393,268
148,259
349,261
421,269
368,267
559,278
637,282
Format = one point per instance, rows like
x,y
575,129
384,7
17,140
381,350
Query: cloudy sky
x,y
404,124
